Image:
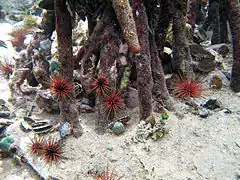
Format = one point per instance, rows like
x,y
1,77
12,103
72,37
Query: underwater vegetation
x,y
18,37
185,88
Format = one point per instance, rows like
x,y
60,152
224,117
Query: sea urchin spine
x,y
52,151
37,145
113,103
101,85
186,88
60,87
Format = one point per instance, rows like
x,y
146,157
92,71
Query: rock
x,y
110,148
218,58
203,112
29,120
212,104
223,50
4,114
83,108
203,60
25,126
65,129
46,4
227,75
2,102
150,119
45,101
216,82
54,66
85,101
2,14
3,108
118,128
46,44
20,101
131,100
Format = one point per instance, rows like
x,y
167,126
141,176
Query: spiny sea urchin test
x,y
113,103
101,85
6,68
37,145
60,87
52,151
125,18
108,176
185,88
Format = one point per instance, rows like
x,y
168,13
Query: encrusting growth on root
x,y
125,18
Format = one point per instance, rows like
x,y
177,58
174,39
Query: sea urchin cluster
x,y
50,150
185,88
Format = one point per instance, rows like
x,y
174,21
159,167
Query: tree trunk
x,y
181,53
144,74
68,109
164,20
234,14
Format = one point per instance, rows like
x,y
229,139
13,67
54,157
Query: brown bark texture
x,y
125,18
144,74
164,19
182,60
234,14
68,109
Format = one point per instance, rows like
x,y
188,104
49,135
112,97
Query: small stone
x,y
216,82
46,44
118,128
3,108
212,104
150,119
227,75
223,50
227,111
110,148
2,102
65,129
4,114
203,113
83,108
85,101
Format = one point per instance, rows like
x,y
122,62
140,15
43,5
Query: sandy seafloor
x,y
195,148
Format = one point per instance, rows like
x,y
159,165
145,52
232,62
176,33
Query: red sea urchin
x,y
60,87
52,151
108,176
37,145
113,103
101,85
6,68
185,88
